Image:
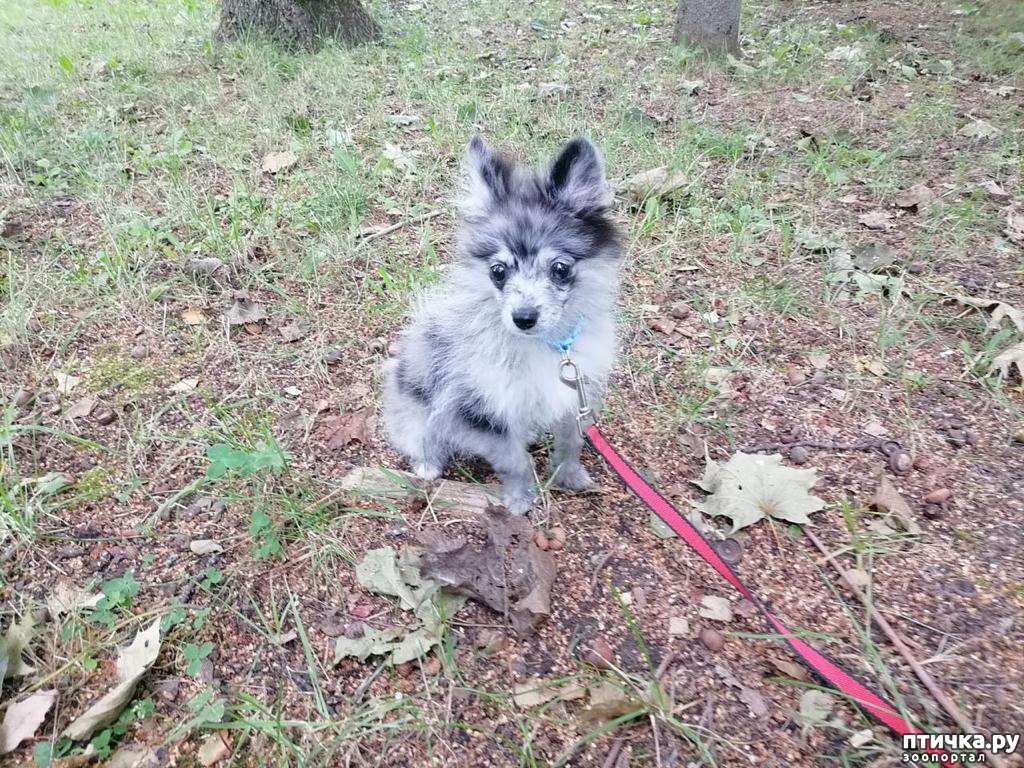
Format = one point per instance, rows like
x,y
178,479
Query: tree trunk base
x,y
298,24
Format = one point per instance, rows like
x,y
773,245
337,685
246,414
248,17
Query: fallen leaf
x,y
819,360
402,121
1014,229
205,547
656,182
208,266
873,257
875,429
510,574
659,527
133,757
916,197
81,408
979,129
12,645
1004,362
66,383
533,693
293,331
213,749
996,191
68,598
1000,311
244,311
716,608
23,718
875,220
754,701
608,701
194,317
398,157
275,162
816,706
861,738
750,486
872,365
691,87
888,499
678,626
340,429
132,663
858,578
453,495
185,385
788,668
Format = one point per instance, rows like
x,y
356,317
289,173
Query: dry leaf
x,y
510,574
398,158
888,499
750,486
858,578
916,196
82,408
245,311
979,129
67,598
293,331
213,749
1015,227
678,626
788,668
715,608
205,547
23,718
816,706
819,360
193,317
1000,310
185,385
66,383
132,757
872,365
356,426
12,645
132,663
754,701
875,220
1007,359
653,183
275,162
535,692
996,191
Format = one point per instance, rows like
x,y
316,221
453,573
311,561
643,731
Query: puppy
x,y
477,371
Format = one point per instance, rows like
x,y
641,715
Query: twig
x,y
601,563
613,753
937,693
388,230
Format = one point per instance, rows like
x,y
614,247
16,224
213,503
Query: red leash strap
x,y
825,667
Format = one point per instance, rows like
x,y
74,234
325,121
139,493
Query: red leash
x,y
831,672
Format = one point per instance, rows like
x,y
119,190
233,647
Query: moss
x,y
111,370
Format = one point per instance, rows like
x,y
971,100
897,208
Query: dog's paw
x,y
426,472
518,504
573,477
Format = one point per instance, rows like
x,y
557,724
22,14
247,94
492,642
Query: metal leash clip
x,y
570,374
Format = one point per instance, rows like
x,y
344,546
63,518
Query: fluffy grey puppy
x,y
477,370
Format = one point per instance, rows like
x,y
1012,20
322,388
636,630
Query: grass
x,y
131,194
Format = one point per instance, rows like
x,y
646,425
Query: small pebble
x,y
798,455
795,377
139,352
555,545
1018,436
104,416
557,533
916,267
541,540
490,641
332,356
431,666
680,310
921,463
900,462
938,496
23,397
957,437
712,639
933,511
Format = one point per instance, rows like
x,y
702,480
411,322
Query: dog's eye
x,y
561,271
498,273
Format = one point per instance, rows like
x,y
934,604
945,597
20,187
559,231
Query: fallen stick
x,y
380,483
659,673
404,223
922,674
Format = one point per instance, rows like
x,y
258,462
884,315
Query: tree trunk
x,y
298,24
711,24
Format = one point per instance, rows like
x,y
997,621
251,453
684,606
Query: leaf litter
x,y
23,718
132,663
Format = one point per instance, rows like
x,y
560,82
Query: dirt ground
x,y
743,324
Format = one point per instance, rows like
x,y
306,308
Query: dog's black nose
x,y
525,318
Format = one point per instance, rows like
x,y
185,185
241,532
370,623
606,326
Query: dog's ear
x,y
577,177
489,178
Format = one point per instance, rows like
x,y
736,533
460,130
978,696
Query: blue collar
x,y
565,343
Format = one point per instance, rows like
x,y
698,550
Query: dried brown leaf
x,y
342,429
888,499
275,162
23,718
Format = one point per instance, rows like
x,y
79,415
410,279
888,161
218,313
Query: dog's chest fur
x,y
521,382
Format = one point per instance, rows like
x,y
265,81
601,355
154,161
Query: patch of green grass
x,y
111,370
